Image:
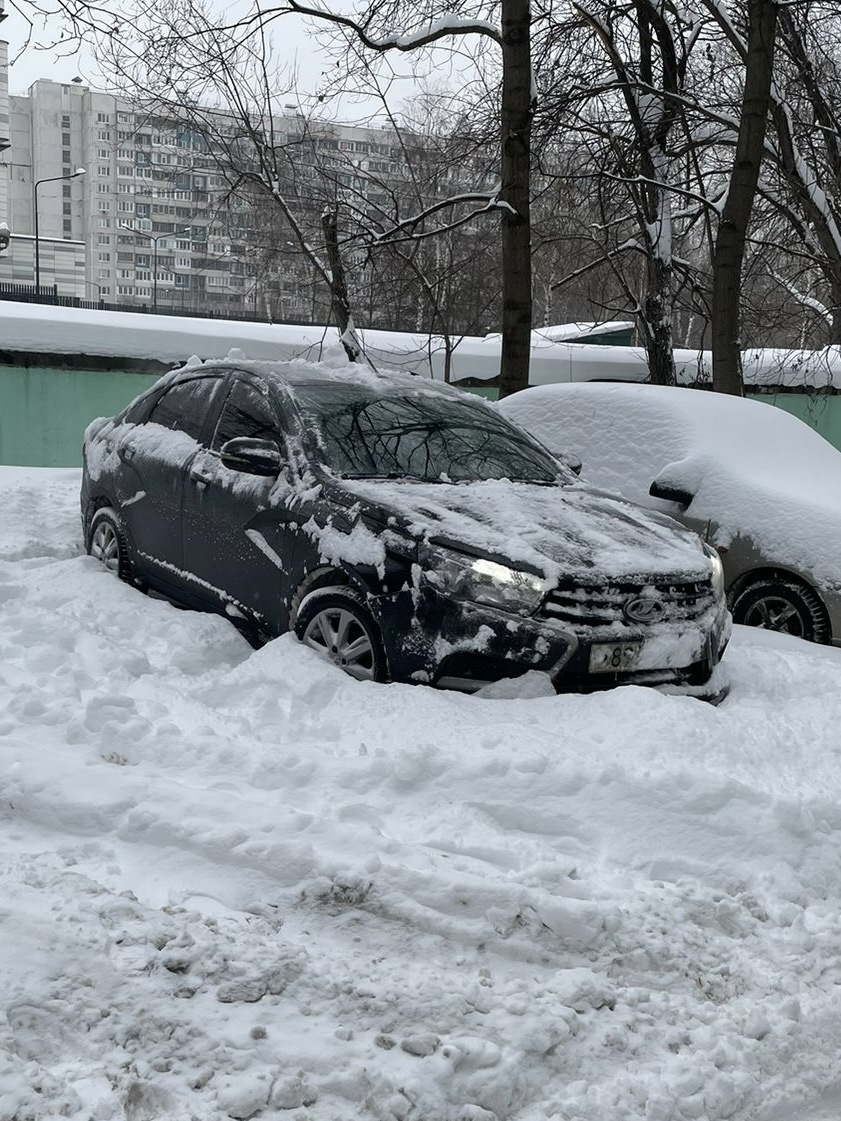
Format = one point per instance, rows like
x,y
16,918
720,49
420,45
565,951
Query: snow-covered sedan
x,y
758,483
402,529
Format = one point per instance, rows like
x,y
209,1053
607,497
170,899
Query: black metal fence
x,y
29,294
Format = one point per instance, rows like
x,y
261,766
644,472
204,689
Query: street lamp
x,y
52,179
154,238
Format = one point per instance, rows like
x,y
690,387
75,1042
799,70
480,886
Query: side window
x,y
185,406
246,413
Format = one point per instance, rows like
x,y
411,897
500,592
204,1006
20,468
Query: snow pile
x,y
755,470
238,884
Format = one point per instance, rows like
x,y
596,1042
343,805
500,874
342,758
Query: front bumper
x,y
432,639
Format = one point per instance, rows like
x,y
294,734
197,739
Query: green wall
x,y
821,411
44,412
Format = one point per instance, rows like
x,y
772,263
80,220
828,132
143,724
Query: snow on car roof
x,y
300,372
752,467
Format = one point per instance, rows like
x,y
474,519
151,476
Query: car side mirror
x,y
671,493
252,456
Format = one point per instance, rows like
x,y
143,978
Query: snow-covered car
x,y
403,529
756,482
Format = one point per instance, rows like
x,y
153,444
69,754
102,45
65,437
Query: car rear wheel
x,y
107,543
786,606
338,626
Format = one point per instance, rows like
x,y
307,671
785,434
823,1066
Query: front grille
x,y
601,605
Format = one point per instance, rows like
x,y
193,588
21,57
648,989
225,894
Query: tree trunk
x,y
729,249
657,324
515,169
340,301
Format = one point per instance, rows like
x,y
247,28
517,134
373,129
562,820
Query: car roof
x,y
299,372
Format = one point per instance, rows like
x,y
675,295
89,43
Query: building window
x,y
104,257
125,290
65,121
65,191
103,118
103,134
67,228
65,208
104,274
104,223
103,170
104,239
65,157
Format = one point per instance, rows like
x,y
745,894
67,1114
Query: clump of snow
x,y
238,884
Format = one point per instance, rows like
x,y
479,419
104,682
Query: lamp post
x,y
154,238
51,179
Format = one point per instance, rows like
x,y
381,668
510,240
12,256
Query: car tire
x,y
776,603
336,624
107,543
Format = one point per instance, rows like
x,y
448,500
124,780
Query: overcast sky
x,y
298,47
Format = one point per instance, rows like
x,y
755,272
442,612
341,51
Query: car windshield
x,y
362,434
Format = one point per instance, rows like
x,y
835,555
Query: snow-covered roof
x,y
172,340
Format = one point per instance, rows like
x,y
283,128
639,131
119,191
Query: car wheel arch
x,y
326,576
770,576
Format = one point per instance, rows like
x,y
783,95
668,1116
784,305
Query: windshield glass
x,y
361,434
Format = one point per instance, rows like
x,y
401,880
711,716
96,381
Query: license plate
x,y
614,657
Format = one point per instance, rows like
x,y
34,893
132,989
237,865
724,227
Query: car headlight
x,y
482,581
717,573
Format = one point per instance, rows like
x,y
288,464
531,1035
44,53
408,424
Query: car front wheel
x,y
786,606
106,542
336,624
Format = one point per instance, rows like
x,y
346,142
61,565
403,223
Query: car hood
x,y
555,531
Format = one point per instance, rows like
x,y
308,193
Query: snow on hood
x,y
554,530
754,469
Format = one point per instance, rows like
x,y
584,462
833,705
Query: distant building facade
x,y
134,210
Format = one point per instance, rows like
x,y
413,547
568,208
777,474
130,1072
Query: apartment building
x,y
132,209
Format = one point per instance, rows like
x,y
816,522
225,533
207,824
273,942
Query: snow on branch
x,y
442,28
807,301
407,226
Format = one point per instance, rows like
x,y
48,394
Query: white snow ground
x,y
239,884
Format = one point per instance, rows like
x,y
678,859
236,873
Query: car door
x,y
239,539
155,457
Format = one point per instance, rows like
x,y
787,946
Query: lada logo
x,y
644,609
